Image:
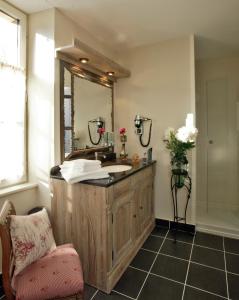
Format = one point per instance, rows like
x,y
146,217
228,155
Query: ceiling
x,y
124,24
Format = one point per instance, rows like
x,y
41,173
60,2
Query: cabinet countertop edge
x,y
114,178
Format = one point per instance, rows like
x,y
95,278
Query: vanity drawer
x,y
122,187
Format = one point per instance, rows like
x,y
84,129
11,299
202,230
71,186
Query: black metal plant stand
x,y
176,184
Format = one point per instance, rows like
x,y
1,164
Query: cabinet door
x,y
145,203
122,225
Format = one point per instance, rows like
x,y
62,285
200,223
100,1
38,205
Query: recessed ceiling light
x,y
84,60
110,73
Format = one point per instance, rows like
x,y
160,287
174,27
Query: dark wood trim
x,y
72,111
162,223
113,106
7,255
88,75
62,125
76,70
181,226
173,225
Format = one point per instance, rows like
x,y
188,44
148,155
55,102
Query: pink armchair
x,y
57,275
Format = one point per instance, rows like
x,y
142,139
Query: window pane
x,y
12,123
9,41
67,112
68,142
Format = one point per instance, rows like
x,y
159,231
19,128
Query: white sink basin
x,y
117,168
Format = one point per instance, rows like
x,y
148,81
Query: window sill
x,y
17,188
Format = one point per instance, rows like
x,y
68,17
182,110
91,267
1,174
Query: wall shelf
x,y
98,63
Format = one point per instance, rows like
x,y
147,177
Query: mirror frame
x,y
77,70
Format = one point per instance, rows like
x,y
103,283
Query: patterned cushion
x,y
56,275
32,238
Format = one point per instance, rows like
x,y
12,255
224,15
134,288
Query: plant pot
x,y
123,138
123,154
180,172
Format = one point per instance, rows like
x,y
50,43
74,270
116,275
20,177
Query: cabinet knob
x,y
141,207
134,216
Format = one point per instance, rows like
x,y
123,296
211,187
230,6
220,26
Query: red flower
x,y
101,131
122,131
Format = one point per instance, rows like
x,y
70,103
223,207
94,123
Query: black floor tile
x,y
160,231
131,282
160,288
231,245
232,261
143,260
170,267
233,284
207,279
208,257
89,291
153,243
180,236
177,249
112,296
209,240
194,294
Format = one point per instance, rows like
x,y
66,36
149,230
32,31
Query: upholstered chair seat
x,y
52,276
55,274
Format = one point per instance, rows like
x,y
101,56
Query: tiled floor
x,y
200,267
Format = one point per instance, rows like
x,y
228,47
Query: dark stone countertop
x,y
114,177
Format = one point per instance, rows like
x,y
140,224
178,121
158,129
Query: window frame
x,y
17,14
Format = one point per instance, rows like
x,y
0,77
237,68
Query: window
x,y
12,96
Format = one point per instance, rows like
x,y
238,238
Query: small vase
x,y
180,171
123,154
123,138
103,140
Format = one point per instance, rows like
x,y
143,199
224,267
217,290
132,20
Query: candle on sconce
x,y
189,121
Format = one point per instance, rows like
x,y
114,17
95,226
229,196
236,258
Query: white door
x,y
219,171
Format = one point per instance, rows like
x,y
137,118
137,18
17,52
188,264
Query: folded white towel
x,y
81,165
72,168
80,176
82,162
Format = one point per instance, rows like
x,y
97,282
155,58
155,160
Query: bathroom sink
x,y
117,168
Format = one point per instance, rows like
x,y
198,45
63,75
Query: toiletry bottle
x,y
149,154
144,158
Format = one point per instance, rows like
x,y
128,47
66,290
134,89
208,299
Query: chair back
x,y
7,254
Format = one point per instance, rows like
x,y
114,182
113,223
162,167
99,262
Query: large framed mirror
x,y
86,110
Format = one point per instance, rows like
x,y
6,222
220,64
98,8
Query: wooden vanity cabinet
x,y
107,225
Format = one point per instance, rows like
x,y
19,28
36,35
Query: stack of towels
x,y
82,169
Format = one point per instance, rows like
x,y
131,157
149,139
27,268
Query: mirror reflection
x,y
87,111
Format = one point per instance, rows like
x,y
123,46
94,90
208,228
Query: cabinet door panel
x,y
122,213
145,204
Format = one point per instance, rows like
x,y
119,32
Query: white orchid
x,y
185,134
168,132
192,134
180,142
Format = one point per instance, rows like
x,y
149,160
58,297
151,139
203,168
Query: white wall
x,y
41,108
161,87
